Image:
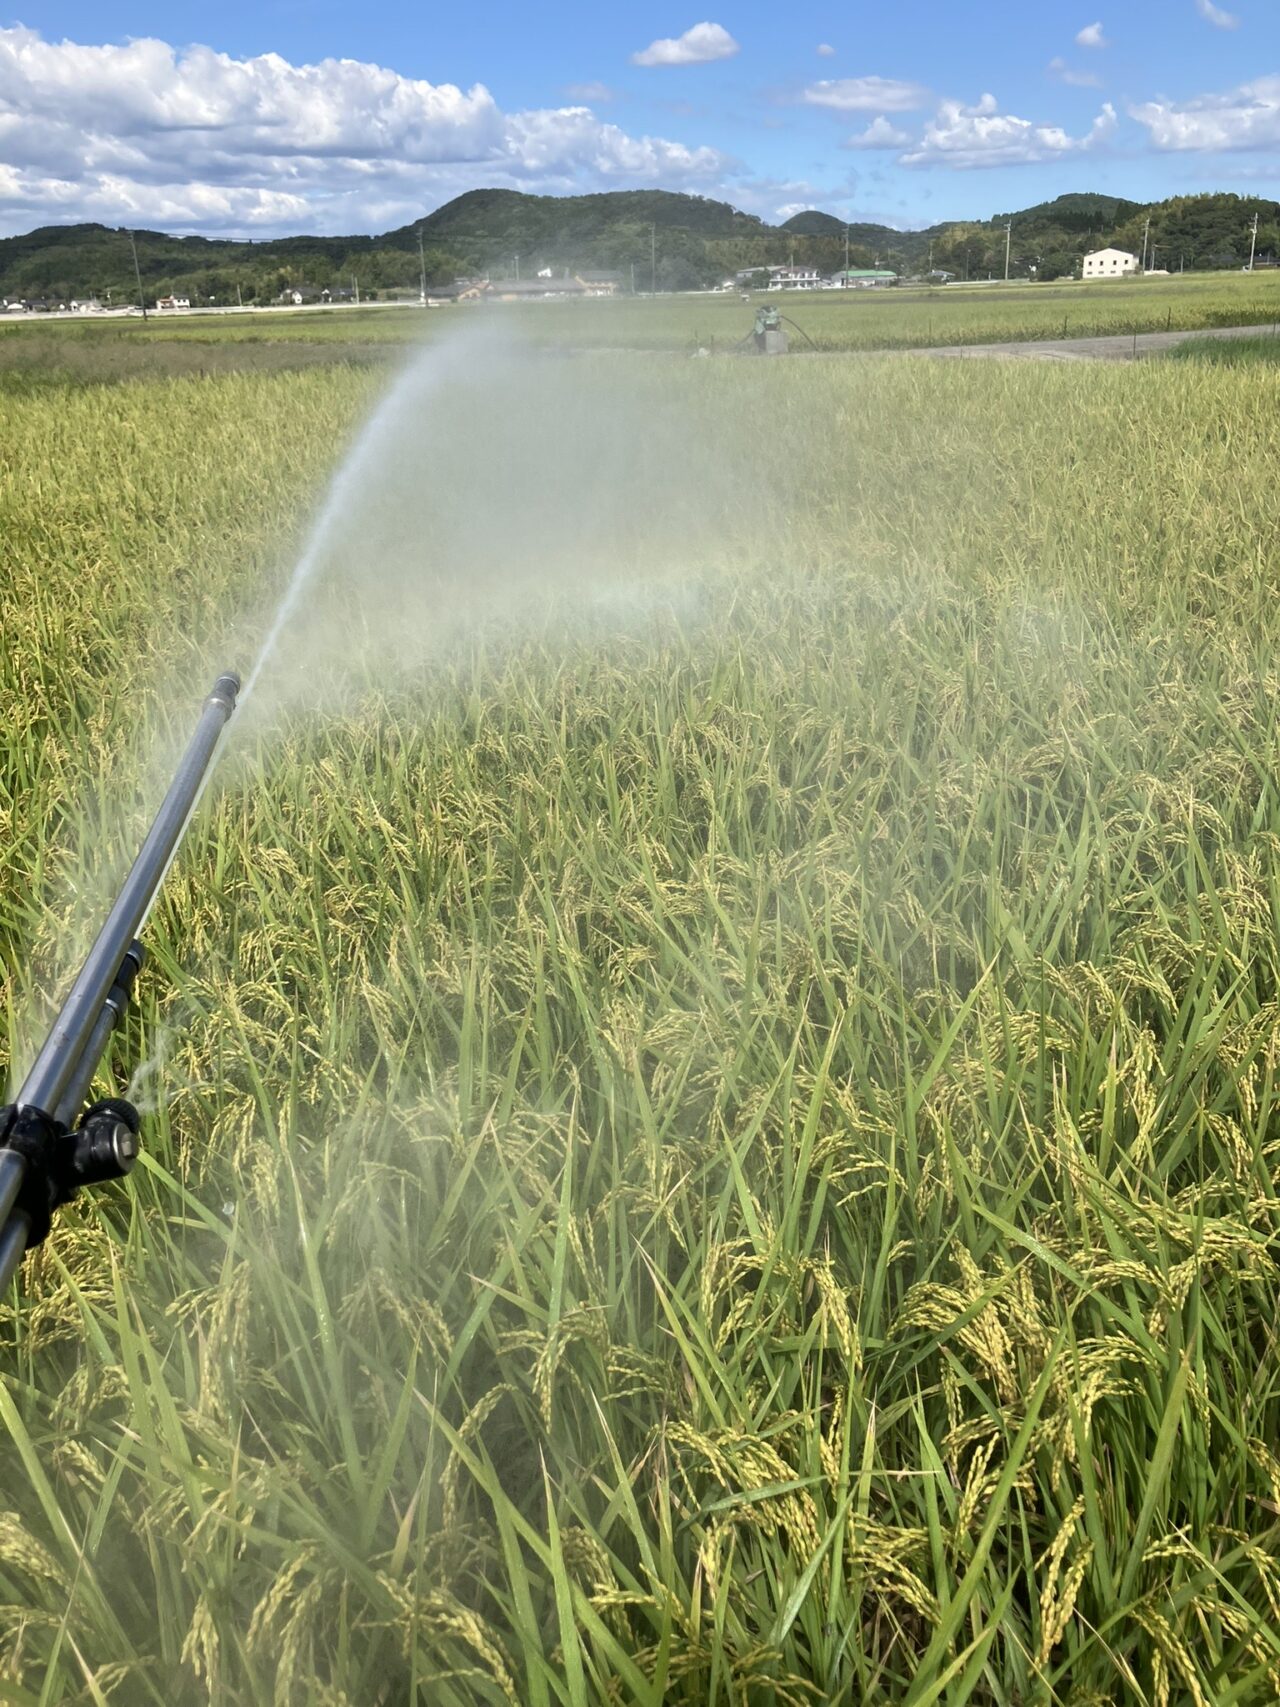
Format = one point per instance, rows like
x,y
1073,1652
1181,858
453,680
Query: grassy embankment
x,y
727,1160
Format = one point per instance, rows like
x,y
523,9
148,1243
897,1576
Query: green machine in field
x,y
770,339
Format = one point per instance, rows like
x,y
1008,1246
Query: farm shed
x,y
863,278
1109,264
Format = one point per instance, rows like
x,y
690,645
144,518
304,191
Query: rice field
x,y
710,1115
1236,352
902,318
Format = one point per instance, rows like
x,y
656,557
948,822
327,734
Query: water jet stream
x,y
348,484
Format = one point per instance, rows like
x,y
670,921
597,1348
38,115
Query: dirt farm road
x,y
1124,347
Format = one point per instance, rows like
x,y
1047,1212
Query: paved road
x,y
1124,348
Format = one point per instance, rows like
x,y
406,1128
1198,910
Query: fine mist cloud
x,y
500,489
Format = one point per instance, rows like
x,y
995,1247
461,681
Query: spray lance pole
x,y
50,1145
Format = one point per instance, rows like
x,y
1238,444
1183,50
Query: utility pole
x,y
422,268
653,260
239,298
633,278
137,273
1253,247
1008,244
846,257
356,284
1146,232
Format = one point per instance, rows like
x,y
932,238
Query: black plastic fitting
x,y
103,1147
57,1162
225,690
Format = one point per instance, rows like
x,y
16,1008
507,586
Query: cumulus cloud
x,y
1216,16
1243,118
1077,79
879,134
825,50
697,46
768,196
962,137
865,95
1091,36
192,139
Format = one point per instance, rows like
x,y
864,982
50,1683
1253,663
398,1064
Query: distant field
x,y
713,1129
829,320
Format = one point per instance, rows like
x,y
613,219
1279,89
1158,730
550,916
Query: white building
x,y
1109,264
794,278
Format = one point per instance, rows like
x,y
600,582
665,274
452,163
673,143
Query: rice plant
x,y
721,1156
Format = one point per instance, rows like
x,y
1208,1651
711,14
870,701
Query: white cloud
x,y
697,46
768,196
879,134
591,93
1216,16
982,135
825,50
1077,79
1091,36
1244,118
197,140
865,95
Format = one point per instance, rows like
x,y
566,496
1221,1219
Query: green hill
x,y
656,238
812,223
544,220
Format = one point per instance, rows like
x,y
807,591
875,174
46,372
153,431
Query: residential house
x,y
461,290
794,278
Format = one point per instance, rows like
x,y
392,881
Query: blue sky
x,y
313,114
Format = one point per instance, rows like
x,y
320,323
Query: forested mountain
x,y
1191,232
656,238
